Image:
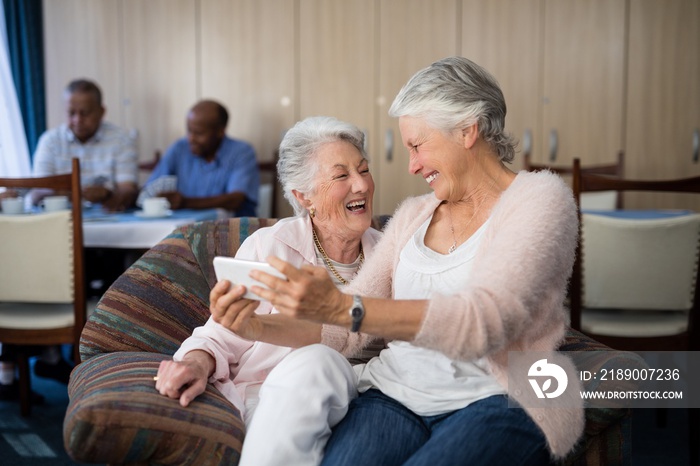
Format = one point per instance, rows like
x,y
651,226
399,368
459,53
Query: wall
x,y
579,70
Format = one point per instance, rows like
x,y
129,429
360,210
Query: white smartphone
x,y
237,271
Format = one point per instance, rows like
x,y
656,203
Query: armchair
x,y
116,416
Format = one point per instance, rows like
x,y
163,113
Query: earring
x,y
312,212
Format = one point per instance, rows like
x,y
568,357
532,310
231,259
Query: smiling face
x,y
343,193
204,131
440,159
84,114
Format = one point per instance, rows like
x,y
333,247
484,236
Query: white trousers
x,y
302,398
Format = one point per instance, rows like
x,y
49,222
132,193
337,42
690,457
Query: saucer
x,y
142,214
24,212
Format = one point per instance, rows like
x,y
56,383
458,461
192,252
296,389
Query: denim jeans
x,y
380,431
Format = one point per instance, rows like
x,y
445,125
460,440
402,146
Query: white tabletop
x,y
128,230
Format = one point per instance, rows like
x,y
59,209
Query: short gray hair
x,y
454,93
297,165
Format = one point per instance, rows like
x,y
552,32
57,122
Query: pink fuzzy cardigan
x,y
515,299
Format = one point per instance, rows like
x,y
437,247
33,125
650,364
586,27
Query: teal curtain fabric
x,y
26,46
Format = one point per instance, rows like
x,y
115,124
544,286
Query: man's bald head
x,y
206,128
211,110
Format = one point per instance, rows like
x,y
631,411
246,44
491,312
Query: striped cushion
x,y
117,416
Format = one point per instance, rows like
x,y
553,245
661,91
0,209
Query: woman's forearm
x,y
281,330
387,318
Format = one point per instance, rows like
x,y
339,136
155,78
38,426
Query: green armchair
x,y
116,416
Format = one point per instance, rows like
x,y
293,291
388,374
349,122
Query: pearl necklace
x,y
327,259
452,228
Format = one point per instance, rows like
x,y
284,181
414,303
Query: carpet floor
x,y
36,440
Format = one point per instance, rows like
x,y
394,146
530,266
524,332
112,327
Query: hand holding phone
x,y
237,271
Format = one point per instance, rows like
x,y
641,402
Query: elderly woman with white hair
x,y
461,278
323,169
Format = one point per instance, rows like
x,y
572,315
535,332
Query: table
x,y
126,230
641,214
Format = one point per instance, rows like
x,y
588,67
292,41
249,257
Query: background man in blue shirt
x,y
213,170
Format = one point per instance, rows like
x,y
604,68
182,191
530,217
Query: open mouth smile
x,y
356,206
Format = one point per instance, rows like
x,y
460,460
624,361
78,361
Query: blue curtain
x,y
26,46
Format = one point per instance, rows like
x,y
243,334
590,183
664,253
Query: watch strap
x,y
357,313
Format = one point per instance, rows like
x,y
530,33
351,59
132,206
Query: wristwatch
x,y
357,313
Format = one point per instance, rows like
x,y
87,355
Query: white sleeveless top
x,y
424,380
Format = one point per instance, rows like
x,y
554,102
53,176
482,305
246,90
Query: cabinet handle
x,y
553,145
696,145
389,144
527,141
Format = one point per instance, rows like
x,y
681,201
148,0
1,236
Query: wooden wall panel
x,y
412,35
583,73
82,39
336,60
337,71
247,62
663,103
159,70
505,36
607,74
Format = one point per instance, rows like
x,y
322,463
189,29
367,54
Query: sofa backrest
x,y
162,297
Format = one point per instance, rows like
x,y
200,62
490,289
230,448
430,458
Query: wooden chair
x,y
42,290
603,200
656,308
149,165
596,227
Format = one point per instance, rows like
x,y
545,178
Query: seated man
x,y
212,170
107,153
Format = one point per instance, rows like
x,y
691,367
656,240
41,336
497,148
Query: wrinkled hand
x,y
187,379
231,310
117,202
176,200
96,194
9,192
308,293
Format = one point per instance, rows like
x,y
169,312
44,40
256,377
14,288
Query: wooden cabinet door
x,y
82,39
247,62
159,71
412,35
583,81
663,104
336,64
505,37
336,60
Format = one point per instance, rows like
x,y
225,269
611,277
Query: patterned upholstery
x,y
116,416
607,438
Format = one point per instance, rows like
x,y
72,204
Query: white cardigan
x,y
514,301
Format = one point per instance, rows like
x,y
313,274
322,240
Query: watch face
x,y
356,312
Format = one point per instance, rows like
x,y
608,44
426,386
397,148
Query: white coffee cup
x,y
13,205
155,206
55,203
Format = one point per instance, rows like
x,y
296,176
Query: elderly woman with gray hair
x,y
461,278
323,169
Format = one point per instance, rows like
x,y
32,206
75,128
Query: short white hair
x,y
454,93
297,165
